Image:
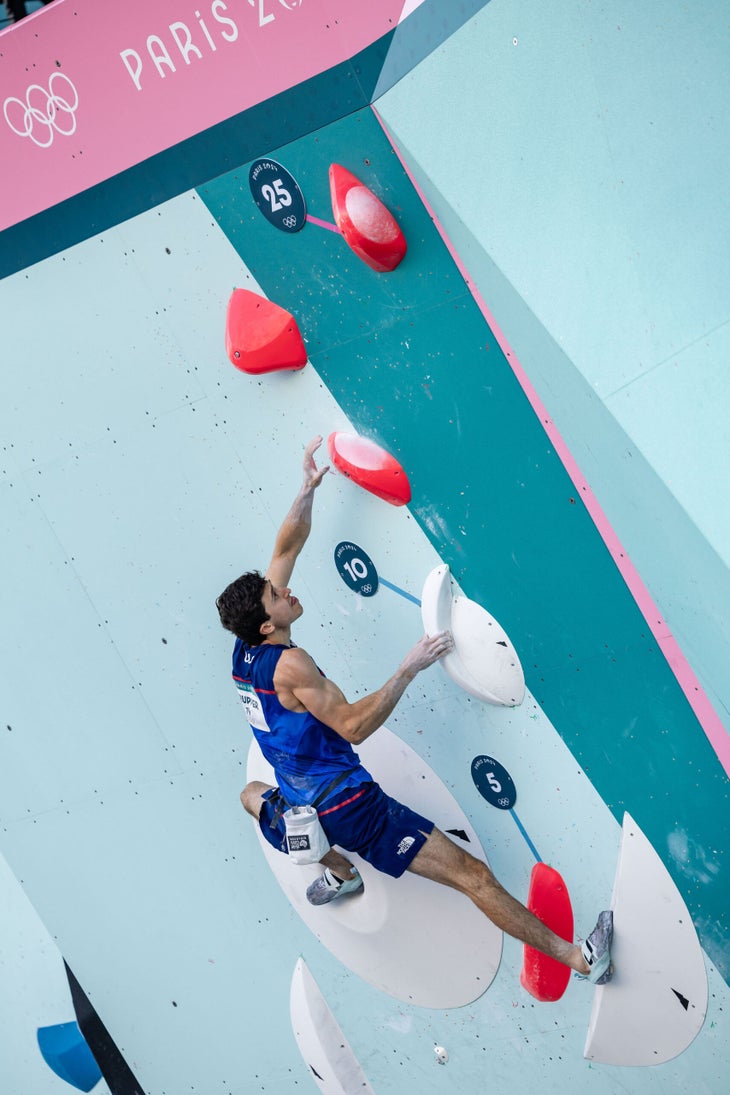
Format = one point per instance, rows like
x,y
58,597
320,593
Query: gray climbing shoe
x,y
597,951
328,887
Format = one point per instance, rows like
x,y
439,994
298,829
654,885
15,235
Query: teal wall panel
x,y
591,213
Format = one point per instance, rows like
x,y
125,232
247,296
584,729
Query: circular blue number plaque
x,y
493,782
356,569
277,195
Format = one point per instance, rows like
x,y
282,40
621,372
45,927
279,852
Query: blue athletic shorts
x,y
362,819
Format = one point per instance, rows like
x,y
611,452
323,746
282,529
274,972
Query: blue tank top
x,y
306,755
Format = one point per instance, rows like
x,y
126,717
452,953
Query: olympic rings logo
x,y
45,112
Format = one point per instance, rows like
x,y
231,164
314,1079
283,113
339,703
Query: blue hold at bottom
x,y
65,1051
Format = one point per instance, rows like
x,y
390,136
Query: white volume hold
x,y
324,1048
655,1004
483,662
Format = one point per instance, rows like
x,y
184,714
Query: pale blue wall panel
x,y
137,517
74,722
34,993
689,384
64,394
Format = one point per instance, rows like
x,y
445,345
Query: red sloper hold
x,y
370,467
367,226
545,978
261,337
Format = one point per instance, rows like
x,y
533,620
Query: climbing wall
x,y
141,472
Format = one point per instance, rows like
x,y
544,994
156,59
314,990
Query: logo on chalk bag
x,y
356,569
298,843
45,111
277,195
493,782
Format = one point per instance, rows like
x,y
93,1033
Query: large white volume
x,y
383,933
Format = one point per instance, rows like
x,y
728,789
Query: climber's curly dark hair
x,y
240,607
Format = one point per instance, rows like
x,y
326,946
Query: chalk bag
x,y
305,838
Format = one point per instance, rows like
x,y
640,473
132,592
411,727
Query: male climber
x,y
306,730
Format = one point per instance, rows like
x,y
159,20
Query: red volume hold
x,y
261,337
367,226
370,467
545,978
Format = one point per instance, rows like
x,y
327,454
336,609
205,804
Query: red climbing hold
x,y
370,467
545,978
367,226
260,336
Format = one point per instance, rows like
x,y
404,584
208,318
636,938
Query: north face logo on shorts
x,y
406,843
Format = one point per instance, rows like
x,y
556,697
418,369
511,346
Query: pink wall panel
x,y
91,88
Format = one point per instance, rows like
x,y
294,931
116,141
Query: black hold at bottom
x,y
115,1070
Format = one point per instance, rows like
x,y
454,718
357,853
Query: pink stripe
x,y
713,727
322,224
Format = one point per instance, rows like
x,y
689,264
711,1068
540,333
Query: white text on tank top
x,y
252,707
